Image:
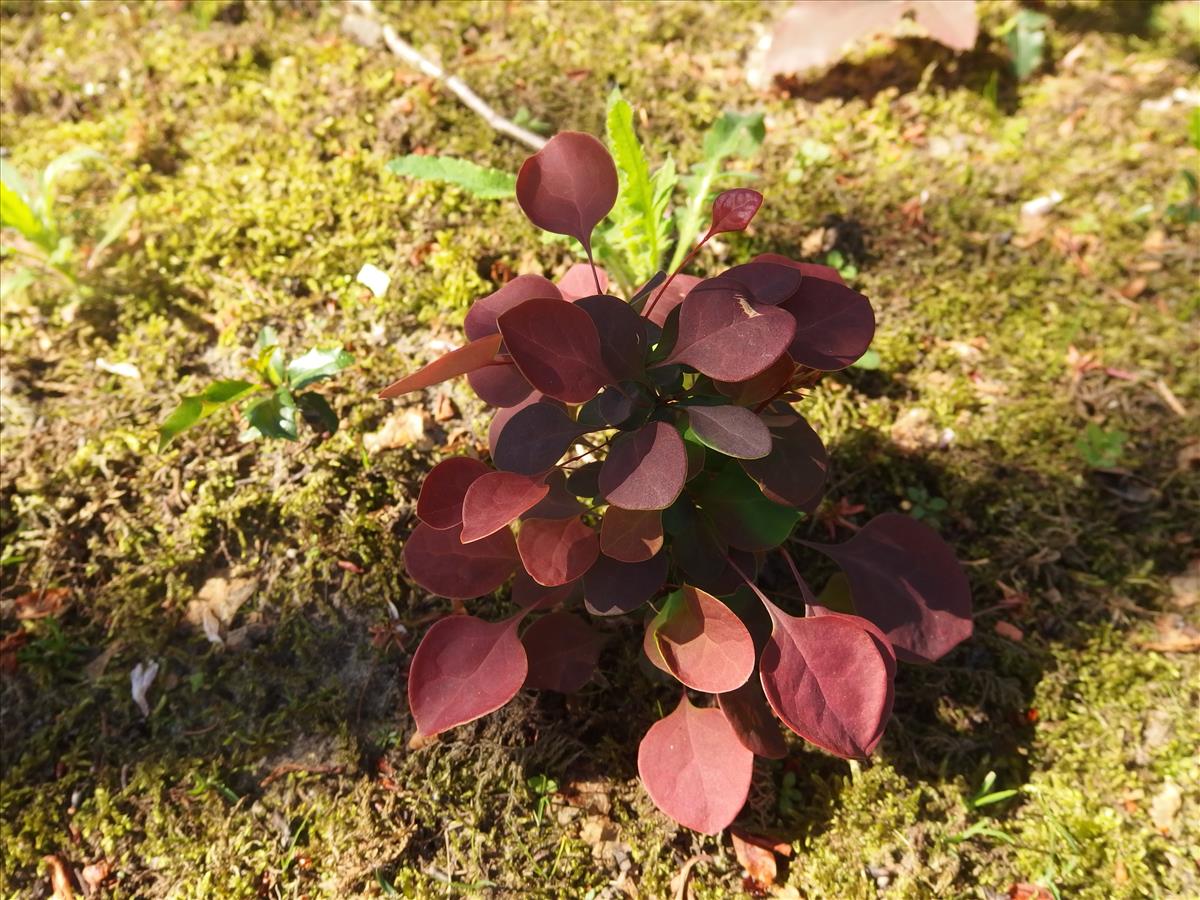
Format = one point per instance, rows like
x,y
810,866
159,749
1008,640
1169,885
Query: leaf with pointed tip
x,y
672,296
563,651
528,594
808,270
622,334
741,514
559,503
631,535
727,336
794,471
495,500
905,579
481,317
752,720
557,349
732,430
440,562
733,210
695,769
834,325
579,282
768,282
702,642
645,469
568,186
440,502
611,587
557,551
762,387
457,362
465,668
500,385
535,438
829,680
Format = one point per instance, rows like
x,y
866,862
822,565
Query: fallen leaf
x,y
419,741
95,669
600,833
121,369
1175,635
1165,806
9,645
215,604
1010,631
62,882
94,875
405,428
1023,890
914,430
1134,288
1188,456
443,408
1185,588
593,797
758,861
681,884
373,279
41,604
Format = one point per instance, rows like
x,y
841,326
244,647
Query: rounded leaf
x,y
557,551
465,668
481,317
741,514
559,503
580,282
733,210
568,186
834,325
631,535
762,387
497,499
557,348
440,502
440,562
563,651
906,580
671,297
752,720
622,335
645,469
732,430
500,385
768,282
702,642
794,472
534,438
528,594
612,587
695,769
808,270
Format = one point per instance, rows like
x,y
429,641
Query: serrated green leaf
x,y
274,416
480,181
317,363
318,413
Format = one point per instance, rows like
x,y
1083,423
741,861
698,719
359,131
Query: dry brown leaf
x,y
41,604
758,861
62,882
96,668
681,884
94,875
443,408
406,428
1134,288
593,797
600,833
1185,588
215,604
1023,890
914,430
1175,635
9,645
1188,456
1010,631
1165,806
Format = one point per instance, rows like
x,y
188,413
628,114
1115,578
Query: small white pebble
x,y
375,279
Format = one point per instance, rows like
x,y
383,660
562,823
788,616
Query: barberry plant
x,y
646,456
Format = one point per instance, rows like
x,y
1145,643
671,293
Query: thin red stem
x,y
687,259
795,572
754,587
590,449
591,262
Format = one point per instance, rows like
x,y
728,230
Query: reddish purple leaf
x,y
568,186
829,680
834,325
905,579
440,502
563,651
559,503
695,545
502,417
727,336
752,720
497,499
441,563
733,210
672,295
500,385
631,535
611,587
465,668
808,270
557,551
762,387
481,317
528,594
732,430
793,473
702,642
767,282
557,348
645,469
534,438
579,282
622,335
456,362
695,769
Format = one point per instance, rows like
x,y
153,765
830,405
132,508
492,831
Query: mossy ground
x,y
254,138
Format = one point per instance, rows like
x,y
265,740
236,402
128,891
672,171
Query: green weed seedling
x,y
1101,448
543,788
275,405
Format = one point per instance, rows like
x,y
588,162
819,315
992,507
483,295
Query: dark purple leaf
x,y
559,503
733,210
442,564
528,594
481,317
584,481
440,502
834,325
695,545
672,296
622,335
732,430
579,282
557,551
557,349
905,579
762,387
645,469
611,587
563,651
503,416
500,385
695,769
702,643
752,720
534,438
768,282
568,186
727,336
793,473
465,668
830,681
456,362
497,499
808,270
631,535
